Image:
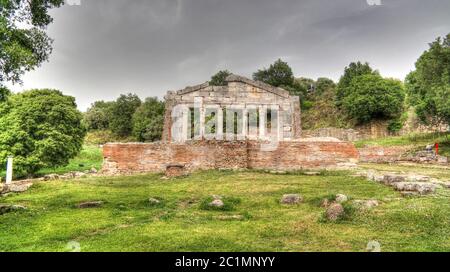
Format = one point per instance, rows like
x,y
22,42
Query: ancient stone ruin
x,y
244,124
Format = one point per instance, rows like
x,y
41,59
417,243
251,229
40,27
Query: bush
x,y
148,121
40,128
373,97
122,113
219,78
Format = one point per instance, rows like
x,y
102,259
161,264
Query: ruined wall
x,y
154,157
382,154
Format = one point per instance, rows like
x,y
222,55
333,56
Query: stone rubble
x,y
334,211
407,185
90,204
6,208
291,199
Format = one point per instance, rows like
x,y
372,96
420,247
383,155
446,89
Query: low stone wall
x,y
382,154
154,157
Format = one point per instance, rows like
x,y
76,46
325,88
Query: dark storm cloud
x,y
106,47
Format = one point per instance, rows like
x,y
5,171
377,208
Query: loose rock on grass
x,y
334,212
291,199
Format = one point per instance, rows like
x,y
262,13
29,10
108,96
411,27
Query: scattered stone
x,y
90,204
418,178
93,170
51,177
325,203
446,185
367,204
334,211
6,208
422,188
392,178
340,198
153,201
442,159
218,203
278,172
409,193
18,187
291,199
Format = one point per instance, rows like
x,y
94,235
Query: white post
x,y
9,170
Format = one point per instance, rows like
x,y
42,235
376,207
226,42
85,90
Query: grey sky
x,y
106,47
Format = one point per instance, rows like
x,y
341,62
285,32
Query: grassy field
x,y
417,140
127,222
89,157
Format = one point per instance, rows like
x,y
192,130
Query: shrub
x,y
148,120
40,128
373,97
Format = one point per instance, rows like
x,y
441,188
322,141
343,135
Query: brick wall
x,y
154,157
382,154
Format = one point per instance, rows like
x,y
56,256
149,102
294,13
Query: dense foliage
x,y
373,97
219,78
278,74
125,119
148,120
428,86
98,115
24,44
40,128
122,111
352,71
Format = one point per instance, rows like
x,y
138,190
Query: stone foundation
x,y
203,155
382,154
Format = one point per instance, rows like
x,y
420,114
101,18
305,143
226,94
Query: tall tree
x,y
122,113
353,70
40,128
278,74
98,116
373,97
24,45
148,120
428,86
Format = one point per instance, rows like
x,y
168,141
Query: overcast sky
x,y
104,48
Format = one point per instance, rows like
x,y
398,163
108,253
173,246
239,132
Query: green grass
x,y
414,140
89,157
256,222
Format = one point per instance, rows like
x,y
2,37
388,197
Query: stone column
x,y
296,118
219,128
244,123
262,122
186,126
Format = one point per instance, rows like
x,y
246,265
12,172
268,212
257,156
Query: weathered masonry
x,y
242,110
243,125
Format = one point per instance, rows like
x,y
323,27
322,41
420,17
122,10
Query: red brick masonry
x,y
380,154
154,157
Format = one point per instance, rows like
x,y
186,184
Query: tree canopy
x,y
428,86
219,78
372,97
98,116
122,111
278,74
24,44
353,70
40,128
148,120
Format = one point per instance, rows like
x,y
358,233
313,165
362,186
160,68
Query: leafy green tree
x,y
219,78
23,48
40,128
353,70
148,120
373,97
278,74
98,116
324,84
428,87
122,113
